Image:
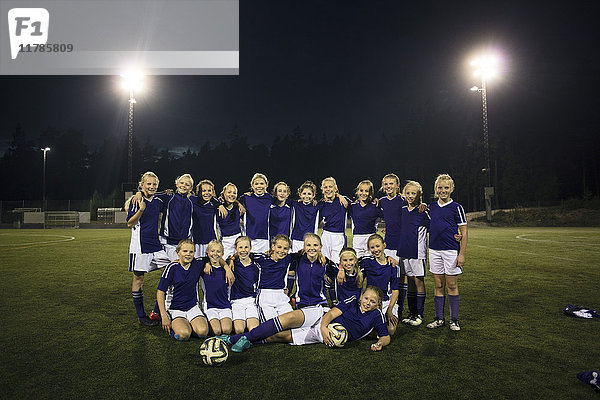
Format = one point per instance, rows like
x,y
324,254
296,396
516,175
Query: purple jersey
x,y
177,218
144,234
246,280
359,324
273,274
348,290
334,215
230,225
256,218
205,222
310,281
184,283
280,220
445,220
413,237
215,288
304,219
384,276
364,218
391,215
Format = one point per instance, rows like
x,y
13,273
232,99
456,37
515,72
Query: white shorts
x,y
200,250
297,245
443,262
272,303
333,243
189,315
171,251
245,308
386,304
229,245
391,253
359,244
310,331
218,313
413,266
260,245
146,262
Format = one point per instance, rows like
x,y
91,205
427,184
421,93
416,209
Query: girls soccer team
x,y
257,285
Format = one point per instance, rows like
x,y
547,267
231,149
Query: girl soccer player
x,y
256,219
412,250
206,206
364,215
446,255
145,250
379,271
177,216
280,213
349,288
307,325
243,291
309,269
305,215
216,304
229,225
182,315
333,214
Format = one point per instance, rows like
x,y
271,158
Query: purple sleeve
x,y
395,281
381,327
165,281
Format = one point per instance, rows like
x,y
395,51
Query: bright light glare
x,y
46,149
486,66
133,80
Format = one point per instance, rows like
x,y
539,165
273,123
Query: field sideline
x,y
69,329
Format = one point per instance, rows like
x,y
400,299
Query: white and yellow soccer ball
x,y
339,334
214,351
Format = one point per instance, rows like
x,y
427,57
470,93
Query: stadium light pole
x,y
486,67
132,81
45,150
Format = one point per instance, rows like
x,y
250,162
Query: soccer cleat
x,y
454,325
416,320
154,316
436,323
145,321
407,319
225,338
242,344
591,378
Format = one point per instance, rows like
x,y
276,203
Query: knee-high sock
x,y
401,297
439,302
138,303
420,303
411,299
262,331
454,303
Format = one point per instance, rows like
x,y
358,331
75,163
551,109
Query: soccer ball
x,y
339,334
214,351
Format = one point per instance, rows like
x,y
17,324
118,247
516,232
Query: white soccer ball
x,y
214,351
338,335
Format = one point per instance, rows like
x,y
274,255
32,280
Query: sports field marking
x,y
587,244
527,253
62,239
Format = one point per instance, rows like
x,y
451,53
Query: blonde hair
x,y
207,182
442,177
377,291
355,269
308,185
241,239
182,242
371,189
222,195
185,176
417,185
390,176
145,175
375,236
258,175
281,184
330,179
310,235
281,237
213,243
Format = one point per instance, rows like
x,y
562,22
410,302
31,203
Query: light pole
x,y
45,150
486,68
132,81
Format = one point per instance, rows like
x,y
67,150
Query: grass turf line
x,y
69,329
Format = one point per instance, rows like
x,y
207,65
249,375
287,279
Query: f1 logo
x,y
28,26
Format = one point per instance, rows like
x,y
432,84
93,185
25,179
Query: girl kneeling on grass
x,y
299,327
182,315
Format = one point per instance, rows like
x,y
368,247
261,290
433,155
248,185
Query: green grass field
x,y
69,329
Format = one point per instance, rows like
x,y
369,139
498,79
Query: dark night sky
x,y
343,67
